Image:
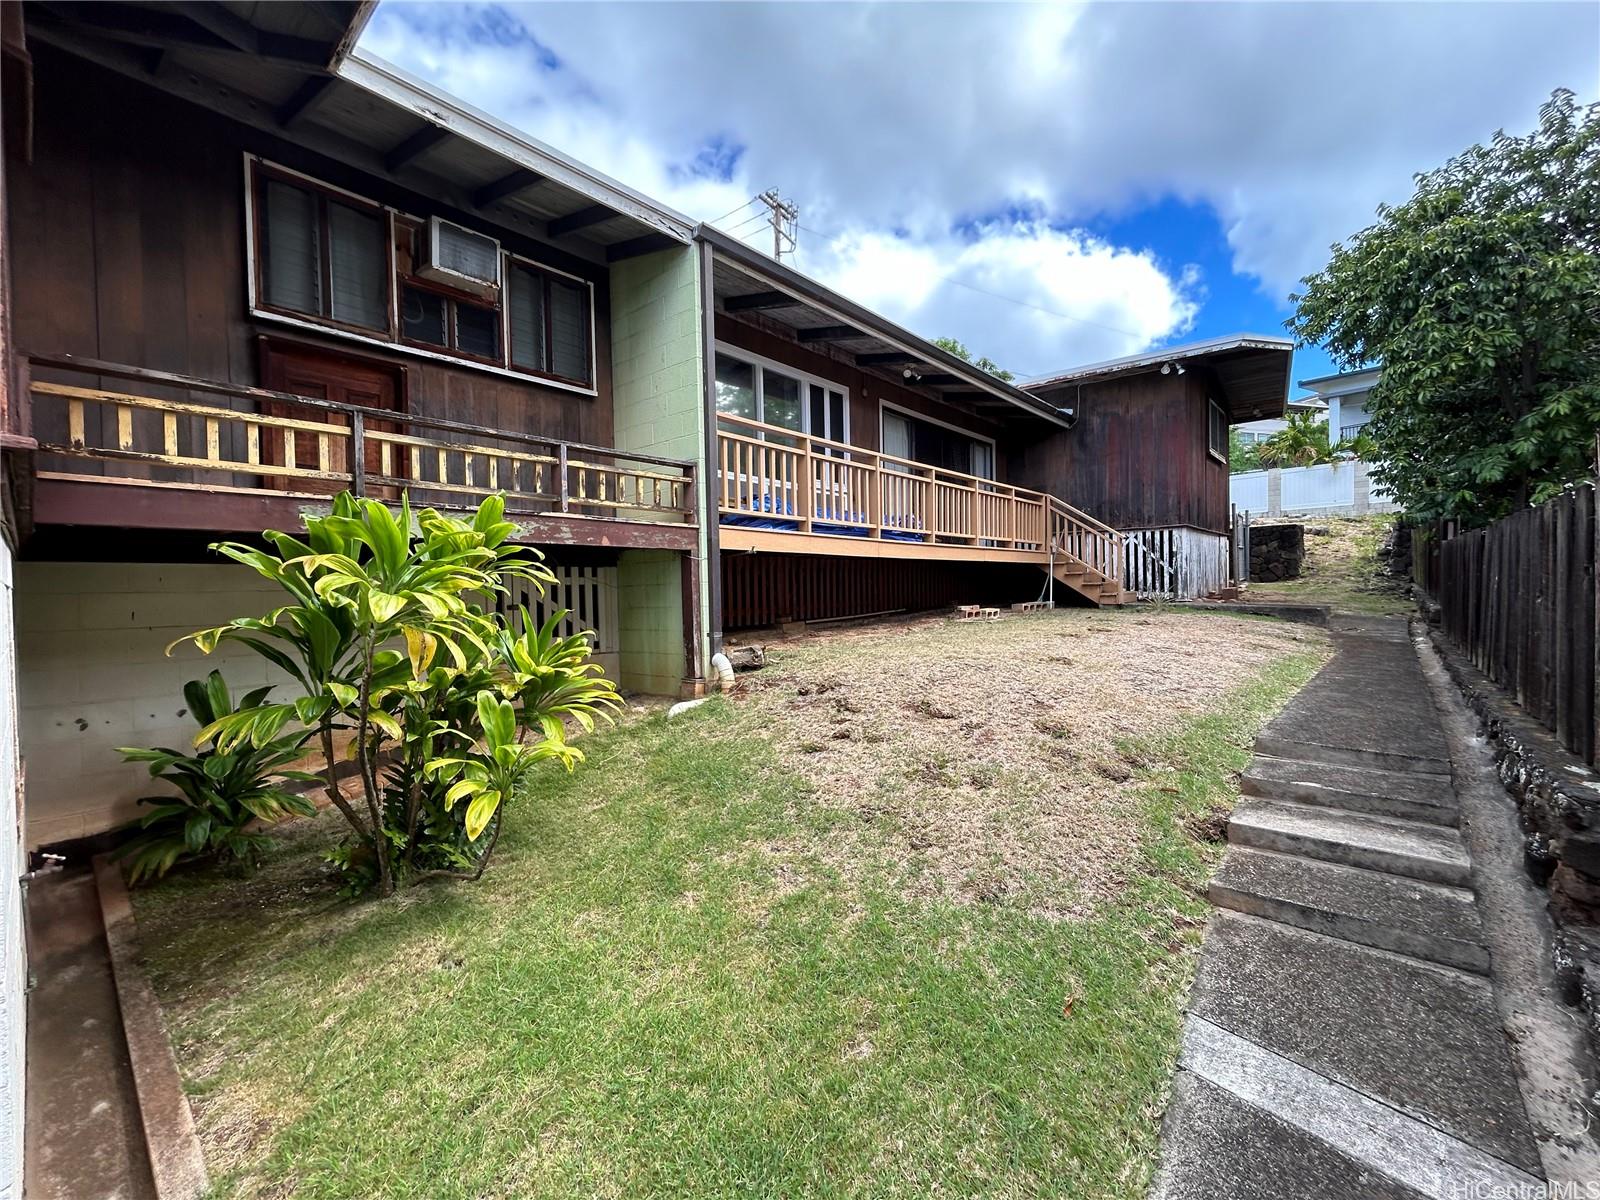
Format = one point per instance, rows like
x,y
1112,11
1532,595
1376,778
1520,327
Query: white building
x,y
1251,432
1345,395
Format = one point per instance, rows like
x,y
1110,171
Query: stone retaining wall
x,y
1276,552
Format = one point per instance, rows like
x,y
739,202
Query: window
x,y
323,256
758,390
1217,430
551,319
332,259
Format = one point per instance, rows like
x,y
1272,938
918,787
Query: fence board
x,y
1519,598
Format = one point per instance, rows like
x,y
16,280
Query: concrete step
x,y
1406,795
1423,1039
1431,921
1427,852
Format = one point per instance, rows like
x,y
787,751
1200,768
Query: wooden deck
x,y
129,447
782,492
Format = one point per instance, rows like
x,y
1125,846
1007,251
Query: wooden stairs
x,y
1091,584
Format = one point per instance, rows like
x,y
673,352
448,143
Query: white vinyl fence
x,y
1332,489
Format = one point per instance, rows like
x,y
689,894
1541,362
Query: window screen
x,y
569,331
422,316
1217,432
527,320
477,330
292,244
359,267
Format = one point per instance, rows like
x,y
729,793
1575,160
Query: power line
x,y
731,211
961,283
785,222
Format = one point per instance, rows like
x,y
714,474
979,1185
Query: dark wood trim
x,y
828,333
90,503
415,146
633,247
592,214
506,186
885,360
758,300
305,99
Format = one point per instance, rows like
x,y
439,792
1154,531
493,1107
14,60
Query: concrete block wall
x,y
658,394
93,675
650,619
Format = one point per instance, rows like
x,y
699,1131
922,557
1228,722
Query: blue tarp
x,y
838,521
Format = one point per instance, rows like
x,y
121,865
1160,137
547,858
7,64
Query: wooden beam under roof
x,y
758,300
152,29
937,378
647,244
593,214
217,19
305,99
415,146
506,186
830,333
884,360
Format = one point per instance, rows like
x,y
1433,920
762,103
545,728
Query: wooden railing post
x,y
358,454
563,489
805,486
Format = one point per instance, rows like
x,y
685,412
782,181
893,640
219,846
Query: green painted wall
x,y
650,621
658,394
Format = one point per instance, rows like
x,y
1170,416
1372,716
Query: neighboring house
x,y
1345,394
1253,433
1149,450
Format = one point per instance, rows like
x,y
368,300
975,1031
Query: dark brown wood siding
x,y
1137,457
868,391
132,249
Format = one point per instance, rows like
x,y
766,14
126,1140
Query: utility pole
x,y
785,218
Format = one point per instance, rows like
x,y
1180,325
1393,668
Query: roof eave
x,y
399,87
804,288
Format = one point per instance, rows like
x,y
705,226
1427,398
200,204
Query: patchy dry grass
x,y
915,916
994,759
1341,570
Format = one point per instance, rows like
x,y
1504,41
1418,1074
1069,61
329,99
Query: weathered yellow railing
x,y
306,446
814,485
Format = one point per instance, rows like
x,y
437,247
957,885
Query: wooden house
x,y
250,267
1148,452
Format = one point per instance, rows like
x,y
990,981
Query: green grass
x,y
643,999
1341,570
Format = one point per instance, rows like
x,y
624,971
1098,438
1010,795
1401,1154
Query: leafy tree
x,y
1242,455
1481,298
952,346
363,583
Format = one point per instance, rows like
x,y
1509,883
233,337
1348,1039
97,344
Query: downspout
x,y
708,515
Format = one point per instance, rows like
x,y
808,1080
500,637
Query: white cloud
x,y
902,127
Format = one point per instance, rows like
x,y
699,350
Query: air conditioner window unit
x,y
461,258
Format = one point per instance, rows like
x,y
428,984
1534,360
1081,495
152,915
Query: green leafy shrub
x,y
220,792
365,582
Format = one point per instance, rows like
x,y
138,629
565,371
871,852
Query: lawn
x,y
1342,570
914,914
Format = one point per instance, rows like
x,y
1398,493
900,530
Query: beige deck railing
x,y
253,439
814,485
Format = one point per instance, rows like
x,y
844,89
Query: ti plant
x,y
220,792
365,582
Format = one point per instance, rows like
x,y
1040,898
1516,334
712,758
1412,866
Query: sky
x,y
1053,184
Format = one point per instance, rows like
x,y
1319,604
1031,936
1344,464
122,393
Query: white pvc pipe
x,y
723,666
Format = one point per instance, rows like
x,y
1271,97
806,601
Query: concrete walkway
x,y
1344,1036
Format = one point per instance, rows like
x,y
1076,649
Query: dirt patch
x,y
998,763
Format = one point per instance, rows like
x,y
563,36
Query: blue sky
x,y
1051,183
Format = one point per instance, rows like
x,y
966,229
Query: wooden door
x,y
343,379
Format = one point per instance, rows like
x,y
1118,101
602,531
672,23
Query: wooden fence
x,y
1519,598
